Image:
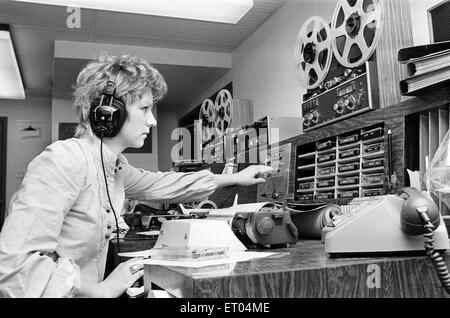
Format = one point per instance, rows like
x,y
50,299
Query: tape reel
x,y
356,29
313,52
224,112
206,116
206,204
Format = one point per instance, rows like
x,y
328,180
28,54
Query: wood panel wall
x,y
396,34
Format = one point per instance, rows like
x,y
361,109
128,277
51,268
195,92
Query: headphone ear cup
x,y
107,119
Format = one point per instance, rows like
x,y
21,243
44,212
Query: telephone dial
x,y
407,222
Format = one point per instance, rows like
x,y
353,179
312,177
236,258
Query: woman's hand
x,y
253,175
249,176
122,277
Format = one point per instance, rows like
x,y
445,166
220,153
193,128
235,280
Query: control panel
x,y
342,101
277,184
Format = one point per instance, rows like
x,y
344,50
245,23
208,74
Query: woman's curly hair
x,y
134,77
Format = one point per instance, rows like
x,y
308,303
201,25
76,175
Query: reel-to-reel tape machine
x,y
215,117
215,121
336,64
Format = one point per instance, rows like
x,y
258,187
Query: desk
x,y
306,271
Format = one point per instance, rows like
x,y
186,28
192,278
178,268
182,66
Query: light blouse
x,y
60,221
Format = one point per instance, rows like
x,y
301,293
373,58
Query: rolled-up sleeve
x,y
168,187
29,265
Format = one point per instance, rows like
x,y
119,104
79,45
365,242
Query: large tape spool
x,y
313,52
356,29
207,115
224,112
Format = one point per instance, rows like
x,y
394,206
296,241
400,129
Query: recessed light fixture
x,y
225,11
11,85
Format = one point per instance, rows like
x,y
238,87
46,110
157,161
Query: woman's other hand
x,y
122,277
253,175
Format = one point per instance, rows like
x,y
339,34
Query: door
x,y
3,128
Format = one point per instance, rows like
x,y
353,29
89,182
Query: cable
x,y
109,198
435,257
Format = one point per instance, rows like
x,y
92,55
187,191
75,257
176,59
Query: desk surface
x,y
303,270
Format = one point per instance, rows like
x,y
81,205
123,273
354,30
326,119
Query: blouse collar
x,y
110,159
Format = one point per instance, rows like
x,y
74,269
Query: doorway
x,y
3,131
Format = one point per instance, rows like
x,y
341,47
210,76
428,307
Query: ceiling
x,y
35,27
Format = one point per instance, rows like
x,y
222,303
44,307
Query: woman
x,y
55,239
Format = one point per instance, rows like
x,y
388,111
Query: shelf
x,y
300,179
307,167
357,159
306,155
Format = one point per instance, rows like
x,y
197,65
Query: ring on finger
x,y
134,269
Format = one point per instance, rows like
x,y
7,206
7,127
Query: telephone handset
x,y
417,203
420,215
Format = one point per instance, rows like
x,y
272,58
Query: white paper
x,y
155,232
234,257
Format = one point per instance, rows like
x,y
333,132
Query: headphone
x,y
108,112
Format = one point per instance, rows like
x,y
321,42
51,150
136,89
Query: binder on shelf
x,y
427,68
428,63
416,84
414,52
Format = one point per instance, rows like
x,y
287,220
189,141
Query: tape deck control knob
x,y
339,107
351,102
307,119
315,117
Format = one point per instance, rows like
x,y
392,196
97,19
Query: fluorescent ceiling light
x,y
11,85
225,11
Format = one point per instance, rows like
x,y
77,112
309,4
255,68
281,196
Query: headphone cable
x,y
109,198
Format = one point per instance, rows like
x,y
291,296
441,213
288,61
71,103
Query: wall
x,y
167,122
62,112
419,17
264,65
20,151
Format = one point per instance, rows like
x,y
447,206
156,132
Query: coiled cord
x,y
435,257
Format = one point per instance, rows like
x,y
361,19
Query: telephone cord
x,y
436,257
